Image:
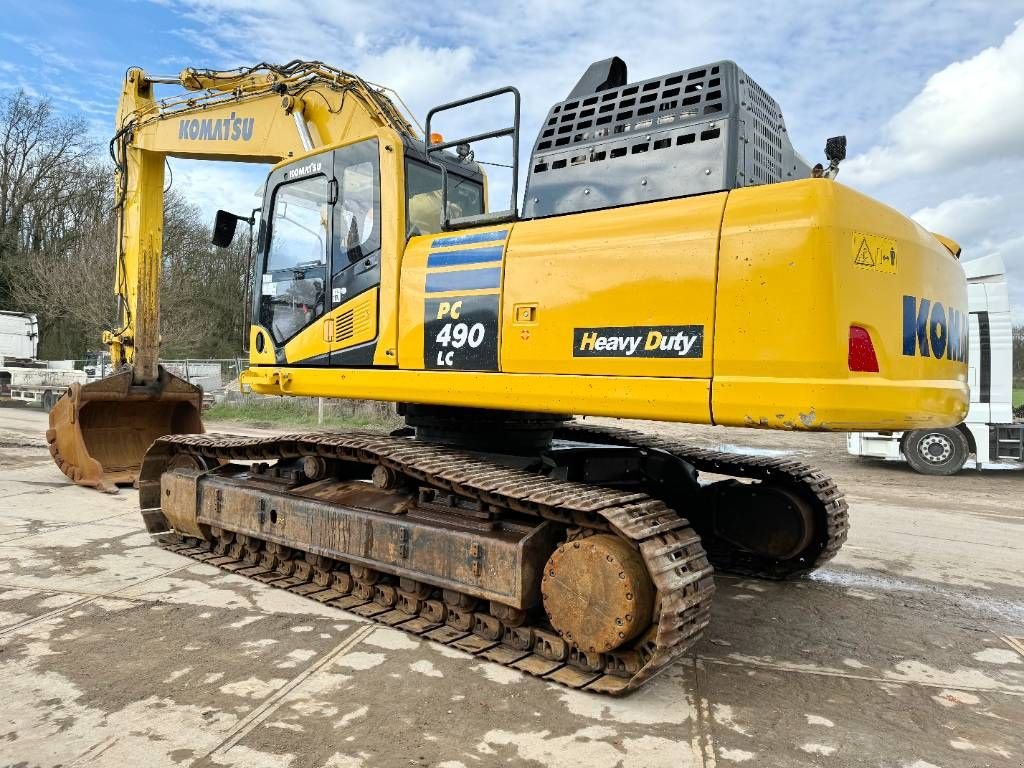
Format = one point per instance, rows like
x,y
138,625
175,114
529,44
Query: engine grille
x,y
700,130
353,323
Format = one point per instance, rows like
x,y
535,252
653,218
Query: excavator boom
x,y
99,432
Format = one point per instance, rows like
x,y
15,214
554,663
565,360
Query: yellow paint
x,y
788,291
392,187
337,108
358,314
639,265
363,324
266,357
951,245
474,292
770,274
310,342
685,399
775,288
524,314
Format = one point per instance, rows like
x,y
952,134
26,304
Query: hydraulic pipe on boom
x,y
100,431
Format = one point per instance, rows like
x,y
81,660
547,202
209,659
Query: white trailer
x,y
37,384
990,437
19,335
22,377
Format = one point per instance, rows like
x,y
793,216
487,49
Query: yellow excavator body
x,y
763,290
675,259
763,283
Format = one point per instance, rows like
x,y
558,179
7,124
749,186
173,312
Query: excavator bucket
x,y
100,432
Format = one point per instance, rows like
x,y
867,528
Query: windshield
x,y
292,291
423,191
298,229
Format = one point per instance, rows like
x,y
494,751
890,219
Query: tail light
x,y
861,351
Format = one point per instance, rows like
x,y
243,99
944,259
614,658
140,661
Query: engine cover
x,y
704,129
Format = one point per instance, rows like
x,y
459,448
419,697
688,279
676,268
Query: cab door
x,y
318,284
356,256
292,290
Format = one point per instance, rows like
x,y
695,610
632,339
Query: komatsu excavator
x,y
674,259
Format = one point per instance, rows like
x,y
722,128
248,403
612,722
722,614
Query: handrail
x,y
488,218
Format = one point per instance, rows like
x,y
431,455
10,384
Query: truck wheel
x,y
936,451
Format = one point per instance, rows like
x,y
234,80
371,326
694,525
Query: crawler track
x,y
670,549
815,488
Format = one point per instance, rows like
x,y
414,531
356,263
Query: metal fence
x,y
213,375
219,379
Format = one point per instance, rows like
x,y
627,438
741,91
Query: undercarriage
x,y
582,554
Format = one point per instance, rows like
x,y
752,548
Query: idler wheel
x,y
597,592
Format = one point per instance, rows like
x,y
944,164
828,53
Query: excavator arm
x,y
263,114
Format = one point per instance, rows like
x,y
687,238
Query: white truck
x,y
991,437
19,335
23,378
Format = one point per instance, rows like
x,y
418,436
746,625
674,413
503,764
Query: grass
x,y
358,414
302,412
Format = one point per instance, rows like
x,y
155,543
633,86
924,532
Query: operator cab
x,y
321,241
466,192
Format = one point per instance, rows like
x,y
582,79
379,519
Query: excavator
x,y
674,259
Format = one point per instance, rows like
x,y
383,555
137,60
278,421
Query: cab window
x,y
292,288
357,214
423,197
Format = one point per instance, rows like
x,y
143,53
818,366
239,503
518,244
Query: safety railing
x,y
492,217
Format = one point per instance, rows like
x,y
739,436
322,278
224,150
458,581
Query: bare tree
x,y
203,288
70,288
57,242
38,151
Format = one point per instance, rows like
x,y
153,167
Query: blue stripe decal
x,y
474,237
466,256
467,280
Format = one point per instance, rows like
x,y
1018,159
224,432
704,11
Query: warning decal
x,y
874,252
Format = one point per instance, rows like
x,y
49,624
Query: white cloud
x,y
235,187
970,112
413,67
963,218
1012,253
41,51
984,225
931,96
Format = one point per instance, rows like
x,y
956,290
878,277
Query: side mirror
x,y
835,149
224,229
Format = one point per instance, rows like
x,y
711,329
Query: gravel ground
x,y
904,652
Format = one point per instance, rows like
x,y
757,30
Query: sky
x,y
929,94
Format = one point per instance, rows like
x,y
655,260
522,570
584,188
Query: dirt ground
x,y
907,651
